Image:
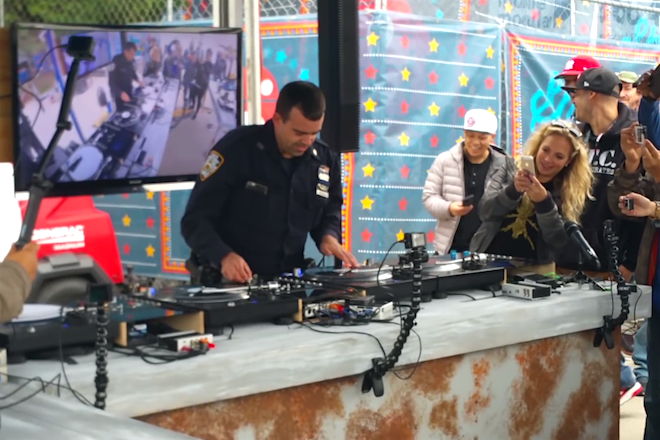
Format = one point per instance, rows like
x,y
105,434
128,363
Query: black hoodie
x,y
606,157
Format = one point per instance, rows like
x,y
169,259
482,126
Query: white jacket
x,y
445,184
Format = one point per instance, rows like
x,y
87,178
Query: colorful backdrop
x,y
533,60
419,75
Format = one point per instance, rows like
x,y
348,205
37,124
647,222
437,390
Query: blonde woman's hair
x,y
575,181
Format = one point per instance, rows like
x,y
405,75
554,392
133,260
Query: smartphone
x,y
469,200
640,134
527,164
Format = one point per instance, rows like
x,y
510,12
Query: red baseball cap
x,y
577,65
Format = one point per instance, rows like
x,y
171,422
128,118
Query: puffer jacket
x,y
445,184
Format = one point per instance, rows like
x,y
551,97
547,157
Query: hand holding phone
x,y
469,200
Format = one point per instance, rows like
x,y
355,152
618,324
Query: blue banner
x,y
533,60
418,79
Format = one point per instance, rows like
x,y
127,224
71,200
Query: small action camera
x,y
629,204
640,134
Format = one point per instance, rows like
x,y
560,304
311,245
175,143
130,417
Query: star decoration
x,y
433,77
459,140
490,51
430,236
559,22
503,66
403,139
150,222
434,109
125,196
370,105
434,141
372,39
405,171
371,72
464,80
535,14
369,137
483,2
150,195
462,111
405,41
126,249
508,7
491,110
368,170
150,251
403,204
366,203
405,74
461,49
366,236
433,45
126,220
400,235
490,83
404,107
584,28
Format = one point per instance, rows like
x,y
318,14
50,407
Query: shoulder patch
x,y
212,164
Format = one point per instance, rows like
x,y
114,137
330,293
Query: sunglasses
x,y
566,126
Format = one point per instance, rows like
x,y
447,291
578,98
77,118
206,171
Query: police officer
x,y
122,75
263,188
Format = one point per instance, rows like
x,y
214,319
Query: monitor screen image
x,y
148,109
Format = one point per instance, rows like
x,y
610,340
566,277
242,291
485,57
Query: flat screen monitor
x,y
147,110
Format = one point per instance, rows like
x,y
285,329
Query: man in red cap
x,y
574,67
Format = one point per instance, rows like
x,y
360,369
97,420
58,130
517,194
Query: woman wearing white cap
x,y
459,175
523,213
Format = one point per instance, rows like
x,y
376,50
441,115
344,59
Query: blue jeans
x,y
627,376
639,355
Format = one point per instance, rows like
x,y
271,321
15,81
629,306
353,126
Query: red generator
x,y
78,248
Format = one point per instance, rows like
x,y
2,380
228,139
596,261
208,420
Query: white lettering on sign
x,y
72,236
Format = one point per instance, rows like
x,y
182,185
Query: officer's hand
x,y
124,97
235,269
26,257
330,246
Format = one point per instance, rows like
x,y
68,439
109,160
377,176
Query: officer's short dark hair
x,y
304,95
129,45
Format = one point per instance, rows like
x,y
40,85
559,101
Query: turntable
x,y
275,301
42,329
441,274
84,164
390,283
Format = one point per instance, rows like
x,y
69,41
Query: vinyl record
x,y
38,312
207,295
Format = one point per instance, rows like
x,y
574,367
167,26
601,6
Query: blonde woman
x,y
523,214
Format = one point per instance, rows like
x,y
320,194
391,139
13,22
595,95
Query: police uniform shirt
x,y
250,200
121,77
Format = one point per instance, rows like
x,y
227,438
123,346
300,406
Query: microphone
x,y
573,231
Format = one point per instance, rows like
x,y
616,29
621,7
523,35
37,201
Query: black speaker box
x,y
339,72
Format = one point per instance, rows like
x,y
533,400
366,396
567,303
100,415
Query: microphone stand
x,y
582,278
80,49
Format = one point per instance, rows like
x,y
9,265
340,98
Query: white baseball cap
x,y
480,120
